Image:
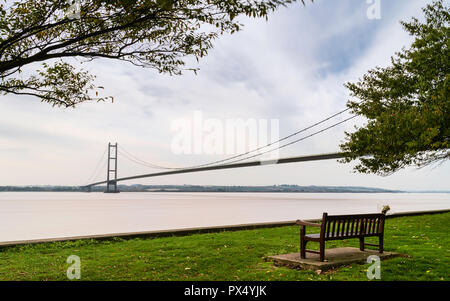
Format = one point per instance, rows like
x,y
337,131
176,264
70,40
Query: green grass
x,y
235,255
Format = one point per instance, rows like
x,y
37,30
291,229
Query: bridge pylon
x,y
111,174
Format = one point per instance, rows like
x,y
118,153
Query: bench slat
x,y
334,226
327,229
356,216
338,228
317,235
348,228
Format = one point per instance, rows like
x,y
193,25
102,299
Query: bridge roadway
x,y
228,166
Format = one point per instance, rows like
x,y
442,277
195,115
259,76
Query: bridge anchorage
x,y
111,182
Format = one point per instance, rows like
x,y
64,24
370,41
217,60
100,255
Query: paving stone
x,y
333,258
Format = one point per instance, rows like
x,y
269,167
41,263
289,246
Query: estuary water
x,y
44,215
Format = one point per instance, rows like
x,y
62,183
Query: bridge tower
x,y
111,182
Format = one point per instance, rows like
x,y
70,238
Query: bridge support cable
x,y
136,160
295,141
96,170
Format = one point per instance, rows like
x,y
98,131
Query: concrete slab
x,y
333,258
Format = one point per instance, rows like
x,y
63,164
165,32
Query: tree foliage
x,y
407,104
156,34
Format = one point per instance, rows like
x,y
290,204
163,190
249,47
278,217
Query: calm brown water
x,y
37,215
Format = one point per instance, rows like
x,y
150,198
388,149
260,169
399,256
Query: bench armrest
x,y
303,223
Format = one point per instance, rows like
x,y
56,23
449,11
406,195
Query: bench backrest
x,y
355,225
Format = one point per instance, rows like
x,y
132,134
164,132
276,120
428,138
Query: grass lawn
x,y
235,255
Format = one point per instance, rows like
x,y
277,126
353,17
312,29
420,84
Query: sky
x,y
291,68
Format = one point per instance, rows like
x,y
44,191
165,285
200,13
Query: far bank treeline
x,y
200,188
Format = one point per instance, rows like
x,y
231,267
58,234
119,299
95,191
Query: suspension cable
x,y
152,165
96,168
295,141
136,160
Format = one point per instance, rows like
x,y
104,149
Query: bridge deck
x,y
229,166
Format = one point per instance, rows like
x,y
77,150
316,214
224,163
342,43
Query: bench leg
x,y
322,251
303,248
302,242
380,247
361,243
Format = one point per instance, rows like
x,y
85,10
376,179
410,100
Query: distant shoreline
x,y
207,188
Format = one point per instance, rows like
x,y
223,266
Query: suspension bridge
x,y
236,161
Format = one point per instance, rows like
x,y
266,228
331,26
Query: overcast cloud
x,y
291,68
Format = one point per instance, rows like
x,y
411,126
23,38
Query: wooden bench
x,y
339,227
